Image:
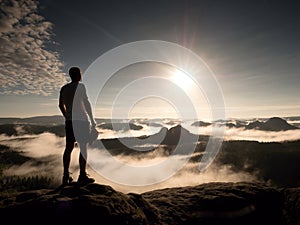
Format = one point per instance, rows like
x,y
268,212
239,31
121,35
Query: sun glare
x,y
182,80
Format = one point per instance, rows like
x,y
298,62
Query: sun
x,y
182,79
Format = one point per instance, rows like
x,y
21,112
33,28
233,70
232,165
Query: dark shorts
x,y
77,131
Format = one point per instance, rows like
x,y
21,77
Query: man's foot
x,y
84,179
66,179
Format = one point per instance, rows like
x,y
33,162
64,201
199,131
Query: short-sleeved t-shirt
x,y
73,96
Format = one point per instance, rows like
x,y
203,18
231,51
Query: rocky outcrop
x,y
272,124
120,126
211,203
291,207
218,203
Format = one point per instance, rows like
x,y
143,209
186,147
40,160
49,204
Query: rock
x,y
174,134
211,203
218,203
272,124
291,208
120,126
201,124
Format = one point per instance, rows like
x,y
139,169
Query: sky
x,y
252,48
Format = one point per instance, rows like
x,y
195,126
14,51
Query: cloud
x,y
26,65
262,136
250,135
47,150
189,175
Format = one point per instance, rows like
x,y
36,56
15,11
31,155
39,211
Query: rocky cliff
x,y
211,203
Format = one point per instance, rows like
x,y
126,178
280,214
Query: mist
x,y
229,134
250,135
46,151
262,136
189,175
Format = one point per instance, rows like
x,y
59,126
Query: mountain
x,y
21,129
175,133
47,120
272,124
168,139
201,124
292,118
41,120
120,126
241,203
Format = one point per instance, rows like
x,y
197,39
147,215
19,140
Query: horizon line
x,y
173,118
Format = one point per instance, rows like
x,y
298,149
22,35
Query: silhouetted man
x,y
76,108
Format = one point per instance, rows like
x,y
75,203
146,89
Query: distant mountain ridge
x,y
46,120
55,119
271,124
31,129
120,126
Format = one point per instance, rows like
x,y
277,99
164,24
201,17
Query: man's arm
x,y
61,105
88,108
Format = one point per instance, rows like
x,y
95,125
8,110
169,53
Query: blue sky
x,y
252,47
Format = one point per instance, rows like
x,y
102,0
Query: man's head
x,y
75,74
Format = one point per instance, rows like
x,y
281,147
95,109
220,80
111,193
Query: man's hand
x,y
93,122
62,109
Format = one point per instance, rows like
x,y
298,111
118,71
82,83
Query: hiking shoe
x,y
84,179
66,179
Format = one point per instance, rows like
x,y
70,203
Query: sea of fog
x,y
46,150
229,134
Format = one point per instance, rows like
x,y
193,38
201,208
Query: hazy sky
x,y
252,47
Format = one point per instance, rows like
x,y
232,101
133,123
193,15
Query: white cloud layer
x,y
26,65
252,134
48,149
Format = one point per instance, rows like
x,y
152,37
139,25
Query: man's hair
x,y
75,73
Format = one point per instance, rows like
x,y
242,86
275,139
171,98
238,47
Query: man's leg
x,y
83,177
82,158
66,161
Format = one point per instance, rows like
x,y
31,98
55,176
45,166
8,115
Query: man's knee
x,y
69,146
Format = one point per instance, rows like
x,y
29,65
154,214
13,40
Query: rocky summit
x,y
211,203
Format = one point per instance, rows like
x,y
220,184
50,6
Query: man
x,y
76,108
